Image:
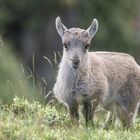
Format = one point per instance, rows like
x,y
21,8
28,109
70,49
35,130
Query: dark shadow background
x,y
28,27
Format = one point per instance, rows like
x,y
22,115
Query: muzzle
x,y
75,63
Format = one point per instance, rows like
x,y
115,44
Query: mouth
x,y
75,66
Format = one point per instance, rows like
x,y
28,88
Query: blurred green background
x,y
27,27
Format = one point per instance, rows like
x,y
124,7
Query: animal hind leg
x,y
73,112
125,116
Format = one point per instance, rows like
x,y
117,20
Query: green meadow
x,y
23,120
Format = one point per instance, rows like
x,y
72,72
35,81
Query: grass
x,y
23,120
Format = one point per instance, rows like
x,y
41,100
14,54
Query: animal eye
x,y
65,46
87,46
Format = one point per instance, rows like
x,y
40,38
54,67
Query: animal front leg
x,y
74,114
88,113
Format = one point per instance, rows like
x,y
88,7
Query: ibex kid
x,y
89,78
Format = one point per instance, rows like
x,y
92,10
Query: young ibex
x,y
89,78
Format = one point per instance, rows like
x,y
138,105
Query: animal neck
x,y
68,73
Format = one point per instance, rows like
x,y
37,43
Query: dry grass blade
x,y
49,61
50,92
28,77
59,54
33,67
31,73
1,42
22,68
44,81
45,57
55,58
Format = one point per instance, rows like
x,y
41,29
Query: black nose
x,y
76,61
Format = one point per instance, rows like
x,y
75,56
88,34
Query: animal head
x,y
76,42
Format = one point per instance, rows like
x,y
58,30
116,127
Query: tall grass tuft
x,y
13,81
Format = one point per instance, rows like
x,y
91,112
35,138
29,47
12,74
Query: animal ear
x,y
93,28
60,27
